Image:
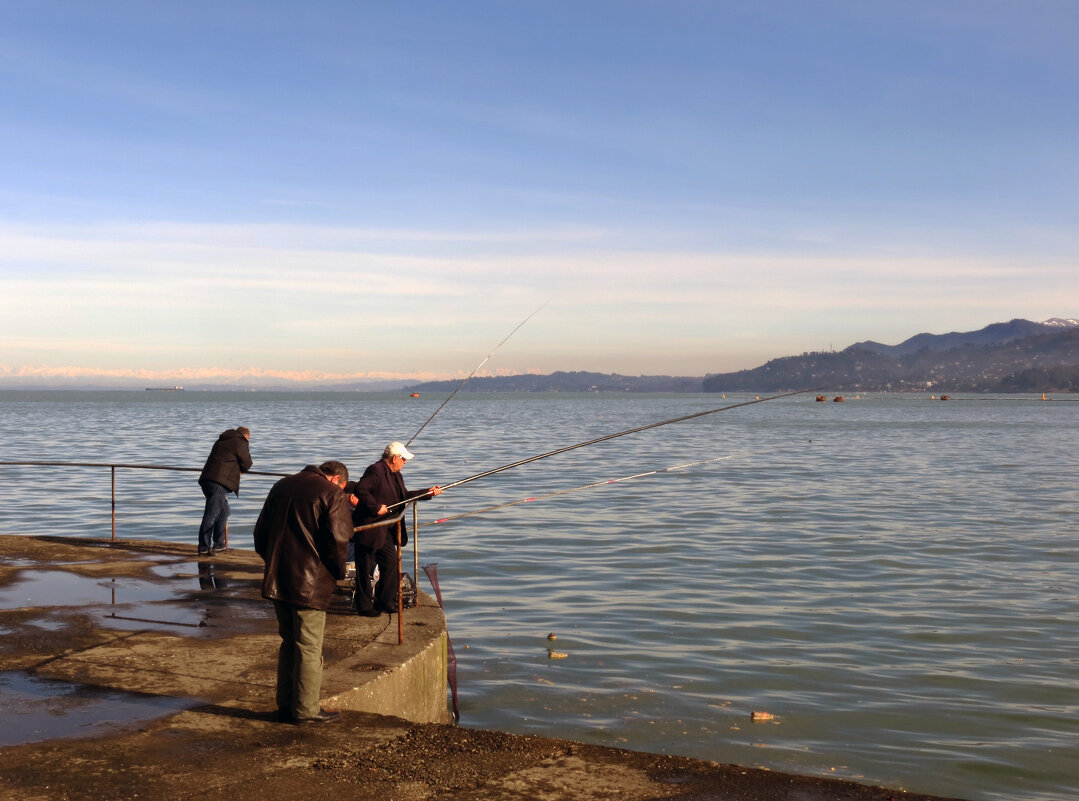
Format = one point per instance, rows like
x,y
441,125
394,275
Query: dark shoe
x,y
222,549
323,716
204,552
369,612
389,610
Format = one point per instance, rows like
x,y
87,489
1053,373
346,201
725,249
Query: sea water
x,y
893,579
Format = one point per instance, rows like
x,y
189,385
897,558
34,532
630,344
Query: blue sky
x,y
372,189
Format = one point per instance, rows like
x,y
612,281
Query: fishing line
x,y
609,437
574,489
478,366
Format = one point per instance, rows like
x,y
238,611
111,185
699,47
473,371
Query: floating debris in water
x,y
552,654
762,716
552,636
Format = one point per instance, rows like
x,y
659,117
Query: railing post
x,y
416,548
400,598
112,468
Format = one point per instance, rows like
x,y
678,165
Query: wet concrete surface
x,y
190,649
37,709
145,621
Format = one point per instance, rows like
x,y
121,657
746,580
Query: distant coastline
x,y
1019,356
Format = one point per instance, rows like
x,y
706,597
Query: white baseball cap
x,y
397,449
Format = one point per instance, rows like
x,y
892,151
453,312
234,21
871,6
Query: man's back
x,y
229,457
302,535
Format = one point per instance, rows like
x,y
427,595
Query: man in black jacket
x,y
302,536
229,457
381,487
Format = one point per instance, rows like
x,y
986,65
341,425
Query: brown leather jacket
x,y
302,535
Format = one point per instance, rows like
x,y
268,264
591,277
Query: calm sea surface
x,y
894,578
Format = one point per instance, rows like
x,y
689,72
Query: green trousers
x,y
299,662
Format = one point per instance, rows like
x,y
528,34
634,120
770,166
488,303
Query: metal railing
x,y
112,468
395,521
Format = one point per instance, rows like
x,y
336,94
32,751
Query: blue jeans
x,y
213,533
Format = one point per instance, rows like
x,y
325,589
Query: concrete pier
x,y
157,623
154,618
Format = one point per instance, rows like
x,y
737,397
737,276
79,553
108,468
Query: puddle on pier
x,y
187,598
40,588
36,709
179,597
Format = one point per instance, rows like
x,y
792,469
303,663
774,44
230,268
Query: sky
x,y
366,189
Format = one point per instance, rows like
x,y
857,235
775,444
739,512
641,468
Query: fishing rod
x,y
478,366
574,489
557,451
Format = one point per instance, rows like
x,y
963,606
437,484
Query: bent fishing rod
x,y
477,367
574,489
637,430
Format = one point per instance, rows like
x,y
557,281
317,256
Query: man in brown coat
x,y
302,535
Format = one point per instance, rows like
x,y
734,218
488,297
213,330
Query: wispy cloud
x,y
300,299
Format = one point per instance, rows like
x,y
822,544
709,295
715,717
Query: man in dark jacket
x,y
302,535
229,457
381,487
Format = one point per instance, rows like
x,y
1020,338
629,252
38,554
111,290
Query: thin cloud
x,y
150,292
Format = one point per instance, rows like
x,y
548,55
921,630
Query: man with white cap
x,y
380,488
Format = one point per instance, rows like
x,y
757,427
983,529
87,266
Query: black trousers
x,y
384,596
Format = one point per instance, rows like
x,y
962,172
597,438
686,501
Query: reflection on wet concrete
x,y
167,616
48,625
18,562
208,580
40,588
37,709
181,595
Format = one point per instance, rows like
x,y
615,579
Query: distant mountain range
x,y
1017,356
991,335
